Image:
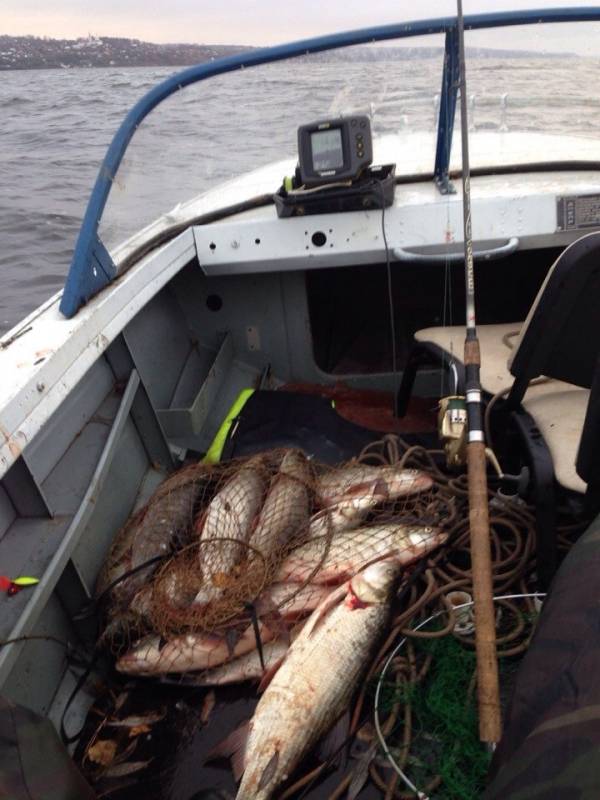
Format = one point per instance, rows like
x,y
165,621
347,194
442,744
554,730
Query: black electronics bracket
x,y
374,189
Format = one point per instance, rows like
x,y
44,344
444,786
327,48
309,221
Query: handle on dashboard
x,y
491,254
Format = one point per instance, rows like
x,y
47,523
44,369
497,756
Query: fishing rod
x,y
488,692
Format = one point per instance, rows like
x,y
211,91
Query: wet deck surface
x,y
175,747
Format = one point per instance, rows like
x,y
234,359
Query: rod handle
x,y
488,690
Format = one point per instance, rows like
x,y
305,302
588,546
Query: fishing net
x,y
425,700
191,622
219,546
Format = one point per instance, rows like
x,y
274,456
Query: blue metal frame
x,y
447,113
91,267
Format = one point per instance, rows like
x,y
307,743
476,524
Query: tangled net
x,y
218,545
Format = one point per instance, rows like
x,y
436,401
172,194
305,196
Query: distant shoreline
x,y
31,52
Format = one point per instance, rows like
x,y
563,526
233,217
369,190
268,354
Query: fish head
x,y
373,585
407,481
142,657
425,537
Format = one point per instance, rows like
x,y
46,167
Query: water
x,y
57,124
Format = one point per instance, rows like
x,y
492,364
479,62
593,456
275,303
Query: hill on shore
x,y
32,52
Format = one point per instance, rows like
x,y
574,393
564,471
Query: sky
x,y
264,22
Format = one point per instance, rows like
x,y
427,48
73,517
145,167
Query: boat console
x,y
334,172
334,150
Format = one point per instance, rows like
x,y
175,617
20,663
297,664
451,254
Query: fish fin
x,y
232,637
269,772
381,488
269,674
233,747
324,608
271,618
366,489
360,772
276,624
264,605
331,748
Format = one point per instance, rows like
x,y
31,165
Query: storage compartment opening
x,y
349,306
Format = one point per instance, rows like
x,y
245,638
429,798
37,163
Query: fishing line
x,y
390,300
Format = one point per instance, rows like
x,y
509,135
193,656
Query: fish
x,y
284,515
341,517
351,551
229,520
188,652
166,521
315,683
290,601
142,657
118,561
245,668
175,586
386,482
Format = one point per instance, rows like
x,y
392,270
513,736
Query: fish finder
x,y
334,150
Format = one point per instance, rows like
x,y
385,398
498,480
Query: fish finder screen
x,y
327,152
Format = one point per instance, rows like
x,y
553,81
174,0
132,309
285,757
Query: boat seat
x,y
546,401
546,371
494,350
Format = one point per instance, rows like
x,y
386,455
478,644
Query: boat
x,y
265,287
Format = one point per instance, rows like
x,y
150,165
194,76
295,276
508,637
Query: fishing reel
x,y
452,429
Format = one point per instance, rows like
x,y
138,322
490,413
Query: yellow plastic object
x,y
25,580
214,452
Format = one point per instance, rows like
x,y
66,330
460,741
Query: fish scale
x,y
352,550
390,481
285,511
228,522
311,690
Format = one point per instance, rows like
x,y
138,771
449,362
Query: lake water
x,y
56,125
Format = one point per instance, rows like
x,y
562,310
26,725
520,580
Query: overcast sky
x,y
263,22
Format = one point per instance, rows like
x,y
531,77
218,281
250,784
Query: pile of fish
x,y
273,531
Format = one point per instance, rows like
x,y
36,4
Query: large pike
x,y
316,681
228,522
351,551
364,481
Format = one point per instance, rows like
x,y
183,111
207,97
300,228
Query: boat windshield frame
x,y
92,267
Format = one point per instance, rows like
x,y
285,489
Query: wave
x,y
16,100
